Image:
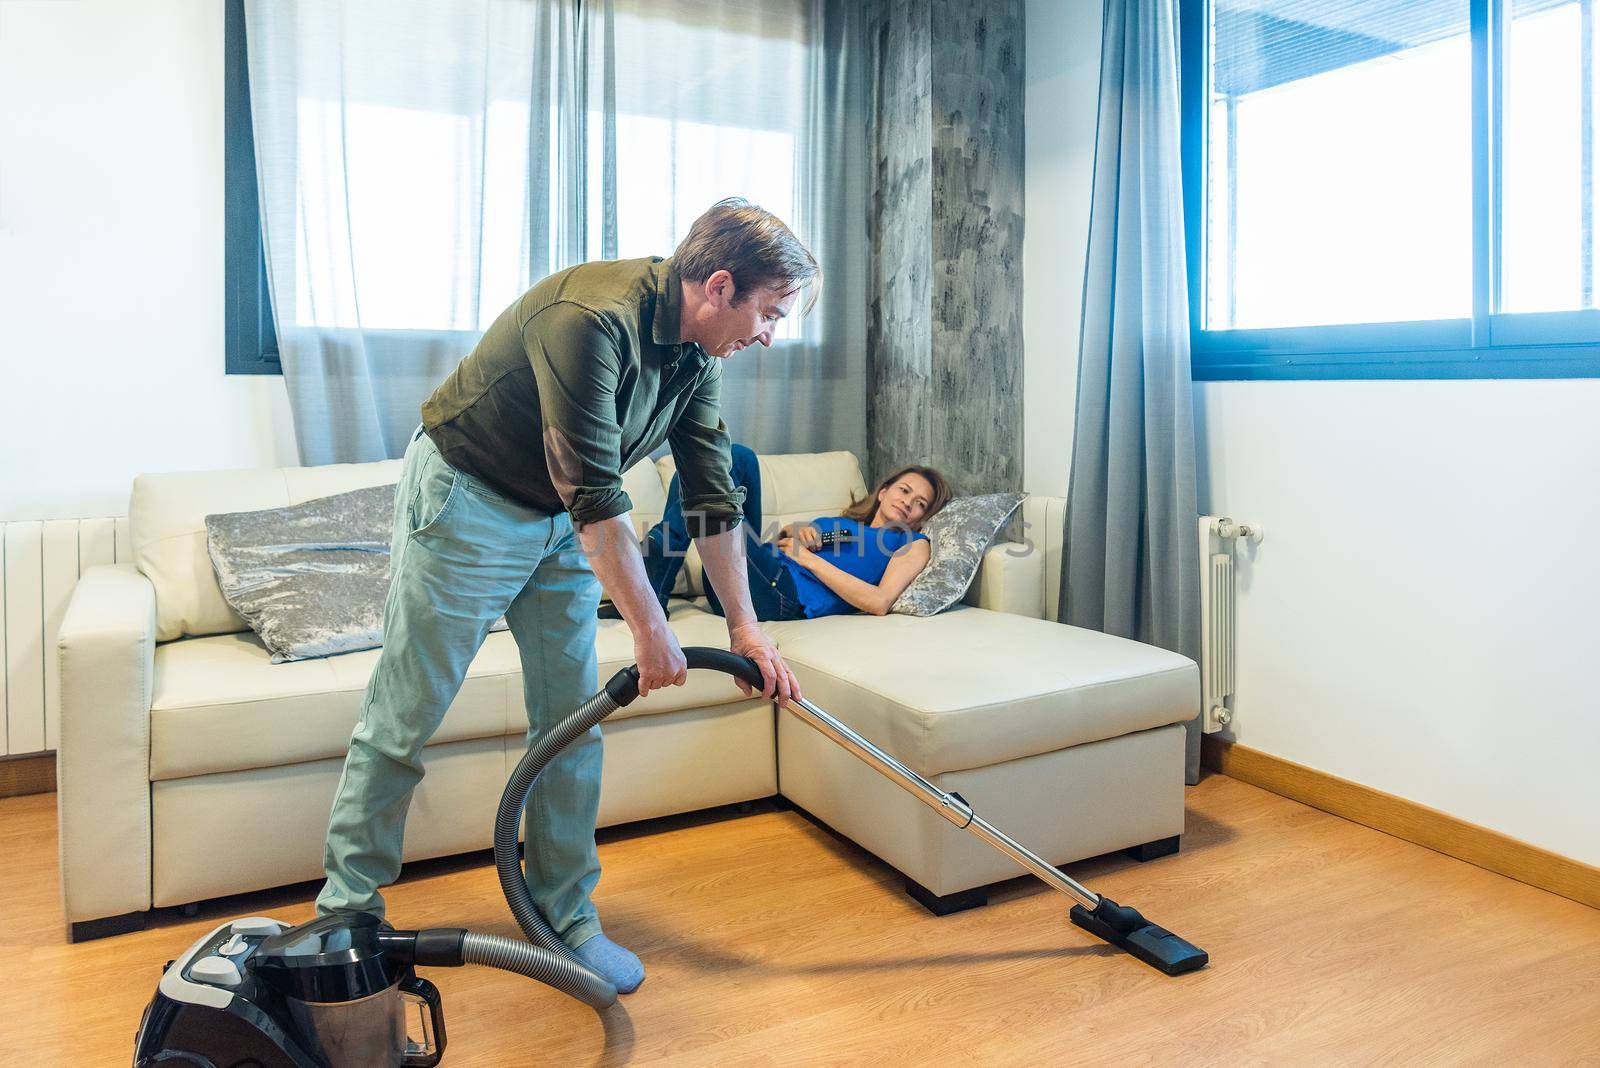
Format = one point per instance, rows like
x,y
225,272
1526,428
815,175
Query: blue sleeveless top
x,y
859,550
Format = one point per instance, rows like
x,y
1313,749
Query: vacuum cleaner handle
x,y
418,990
624,685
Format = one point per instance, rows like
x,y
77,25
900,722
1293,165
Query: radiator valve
x,y
1226,529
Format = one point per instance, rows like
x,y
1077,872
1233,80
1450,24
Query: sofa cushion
x,y
961,534
969,688
310,579
219,704
167,514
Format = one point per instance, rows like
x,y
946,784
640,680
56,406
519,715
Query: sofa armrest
x,y
1010,579
106,650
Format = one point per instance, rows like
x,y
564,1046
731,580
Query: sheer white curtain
x,y
422,164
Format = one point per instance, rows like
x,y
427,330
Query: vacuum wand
x,y
1122,927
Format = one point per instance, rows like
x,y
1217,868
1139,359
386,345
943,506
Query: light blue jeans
x,y
463,555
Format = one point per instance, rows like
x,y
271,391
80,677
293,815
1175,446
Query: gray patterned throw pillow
x,y
960,533
310,579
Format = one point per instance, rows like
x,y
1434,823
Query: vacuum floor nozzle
x,y
1127,930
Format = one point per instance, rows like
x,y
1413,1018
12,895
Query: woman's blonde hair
x,y
863,510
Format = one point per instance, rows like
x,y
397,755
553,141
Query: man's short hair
x,y
751,244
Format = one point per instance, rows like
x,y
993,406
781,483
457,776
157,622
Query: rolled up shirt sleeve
x,y
703,451
576,364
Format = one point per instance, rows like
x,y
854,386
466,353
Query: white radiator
x,y
1218,623
41,564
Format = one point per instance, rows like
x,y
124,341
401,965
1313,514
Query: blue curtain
x,y
1131,562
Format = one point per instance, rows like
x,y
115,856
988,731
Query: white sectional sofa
x,y
178,736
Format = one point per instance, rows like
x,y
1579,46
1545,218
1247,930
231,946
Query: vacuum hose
x,y
545,957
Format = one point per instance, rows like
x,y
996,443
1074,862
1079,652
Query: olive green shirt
x,y
580,379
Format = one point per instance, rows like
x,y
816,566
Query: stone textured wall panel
x,y
945,325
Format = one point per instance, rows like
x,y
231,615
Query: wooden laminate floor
x,y
771,942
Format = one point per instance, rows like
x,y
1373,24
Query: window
x,y
422,275
1547,205
1390,189
250,343
445,205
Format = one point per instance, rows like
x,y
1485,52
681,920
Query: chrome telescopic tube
x,y
952,806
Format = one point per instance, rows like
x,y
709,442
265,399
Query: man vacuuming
x,y
511,503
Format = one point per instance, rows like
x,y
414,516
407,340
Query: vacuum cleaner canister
x,y
333,992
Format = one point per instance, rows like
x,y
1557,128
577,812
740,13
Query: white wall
x,y
1423,615
1062,75
111,253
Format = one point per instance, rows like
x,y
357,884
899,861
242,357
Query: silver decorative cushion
x,y
310,579
960,534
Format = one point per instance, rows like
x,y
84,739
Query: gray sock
x,y
612,961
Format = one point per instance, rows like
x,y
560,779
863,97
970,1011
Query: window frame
x,y
250,338
1490,344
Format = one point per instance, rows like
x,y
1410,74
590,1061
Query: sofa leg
x,y
1161,847
944,906
89,930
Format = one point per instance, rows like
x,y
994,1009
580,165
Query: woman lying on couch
x,y
860,561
